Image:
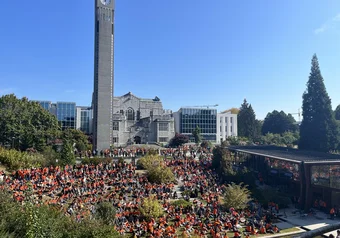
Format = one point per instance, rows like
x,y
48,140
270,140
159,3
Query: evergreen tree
x,y
318,130
278,123
337,113
246,121
197,135
67,152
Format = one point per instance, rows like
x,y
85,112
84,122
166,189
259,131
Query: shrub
x,y
106,212
181,202
149,161
161,174
236,196
15,160
151,208
96,160
43,221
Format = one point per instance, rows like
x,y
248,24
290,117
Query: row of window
x,y
227,119
194,111
203,121
160,139
163,126
226,129
205,131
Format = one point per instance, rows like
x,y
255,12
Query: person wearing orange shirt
x,y
332,213
237,234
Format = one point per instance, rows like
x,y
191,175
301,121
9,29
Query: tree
x,y
160,174
149,161
151,208
222,161
337,113
206,144
67,152
197,135
78,138
278,123
246,121
178,140
25,124
106,213
236,196
318,130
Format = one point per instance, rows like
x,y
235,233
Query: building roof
x,y
285,153
156,99
231,111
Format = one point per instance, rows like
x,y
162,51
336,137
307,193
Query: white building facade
x,y
226,126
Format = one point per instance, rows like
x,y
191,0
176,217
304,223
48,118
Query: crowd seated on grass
x,y
77,189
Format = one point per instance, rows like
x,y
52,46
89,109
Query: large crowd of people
x,y
76,190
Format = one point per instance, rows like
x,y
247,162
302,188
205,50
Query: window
x,y
138,115
115,139
226,129
163,126
163,139
115,126
231,120
130,114
226,120
231,129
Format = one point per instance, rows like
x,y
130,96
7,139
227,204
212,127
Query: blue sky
x,y
186,52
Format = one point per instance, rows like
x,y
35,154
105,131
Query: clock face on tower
x,y
105,2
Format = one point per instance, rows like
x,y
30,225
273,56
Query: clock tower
x,y
103,74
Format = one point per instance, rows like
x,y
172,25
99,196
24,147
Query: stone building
x,y
141,121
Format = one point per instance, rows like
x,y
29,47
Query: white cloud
x,y
328,25
69,91
337,17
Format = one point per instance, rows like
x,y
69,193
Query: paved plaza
x,y
304,221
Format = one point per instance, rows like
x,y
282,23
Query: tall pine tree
x,y
318,130
246,121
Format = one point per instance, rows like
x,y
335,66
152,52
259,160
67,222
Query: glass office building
x,y
204,118
66,114
84,119
45,104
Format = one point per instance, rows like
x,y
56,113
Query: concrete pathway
x,y
177,188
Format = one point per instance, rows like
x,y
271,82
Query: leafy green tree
x,y
337,113
151,208
156,170
246,121
149,161
318,130
278,123
50,155
222,161
236,196
78,138
160,174
105,212
197,135
178,140
25,124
